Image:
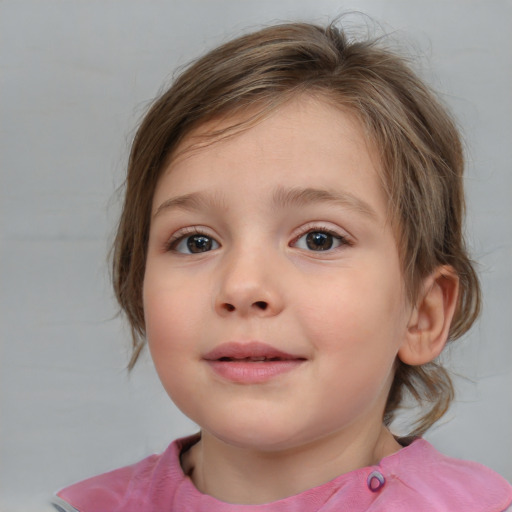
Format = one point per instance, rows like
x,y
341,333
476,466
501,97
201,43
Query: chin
x,y
263,437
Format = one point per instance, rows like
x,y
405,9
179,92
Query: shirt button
x,y
375,481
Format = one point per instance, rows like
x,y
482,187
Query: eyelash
x,y
172,244
343,240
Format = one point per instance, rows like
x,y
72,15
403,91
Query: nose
x,y
248,286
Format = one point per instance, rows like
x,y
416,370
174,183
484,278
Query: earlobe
x,y
429,324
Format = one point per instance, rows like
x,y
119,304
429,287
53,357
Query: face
x,y
273,296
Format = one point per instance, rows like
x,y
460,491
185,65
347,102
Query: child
x,y
291,248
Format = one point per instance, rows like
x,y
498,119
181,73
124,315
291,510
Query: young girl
x,y
291,249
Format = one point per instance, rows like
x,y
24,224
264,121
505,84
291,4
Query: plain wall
x,y
75,78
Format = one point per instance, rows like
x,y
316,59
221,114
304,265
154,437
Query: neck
x,y
247,476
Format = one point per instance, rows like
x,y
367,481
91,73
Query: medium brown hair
x,y
417,141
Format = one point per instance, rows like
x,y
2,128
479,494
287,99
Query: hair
x,y
417,141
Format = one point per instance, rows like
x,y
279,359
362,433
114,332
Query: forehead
x,y
306,144
282,133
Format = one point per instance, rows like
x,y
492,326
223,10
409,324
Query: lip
x,y
251,363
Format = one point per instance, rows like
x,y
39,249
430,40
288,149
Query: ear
x,y
429,324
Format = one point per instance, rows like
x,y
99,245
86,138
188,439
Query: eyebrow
x,y
304,196
282,197
192,201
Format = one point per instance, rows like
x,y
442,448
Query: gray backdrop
x,y
75,78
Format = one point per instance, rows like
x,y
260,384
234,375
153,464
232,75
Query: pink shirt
x,y
415,479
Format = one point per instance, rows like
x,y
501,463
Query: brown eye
x,y
199,243
319,241
195,244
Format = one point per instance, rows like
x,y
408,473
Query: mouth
x,y
252,359
251,363
254,351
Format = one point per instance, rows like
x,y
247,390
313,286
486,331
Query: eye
x,y
319,240
193,244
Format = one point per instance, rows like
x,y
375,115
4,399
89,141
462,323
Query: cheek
x,y
168,334
174,339
166,311
360,318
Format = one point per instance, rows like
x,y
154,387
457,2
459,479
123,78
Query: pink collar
x,y
417,477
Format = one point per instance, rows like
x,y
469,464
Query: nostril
x,y
260,305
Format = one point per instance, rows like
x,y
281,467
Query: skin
x,y
342,310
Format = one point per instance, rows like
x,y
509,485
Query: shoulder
x,y
135,487
427,480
